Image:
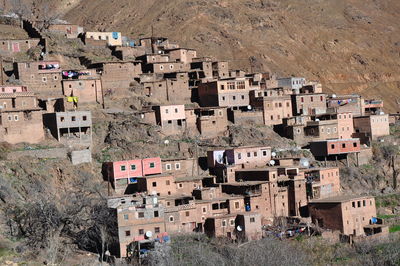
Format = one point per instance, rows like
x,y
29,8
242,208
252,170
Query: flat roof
x,y
340,199
190,178
245,183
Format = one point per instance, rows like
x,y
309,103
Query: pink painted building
x,y
122,174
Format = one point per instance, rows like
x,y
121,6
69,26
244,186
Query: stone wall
x,y
59,153
82,156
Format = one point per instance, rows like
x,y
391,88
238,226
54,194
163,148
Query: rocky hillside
x,y
352,46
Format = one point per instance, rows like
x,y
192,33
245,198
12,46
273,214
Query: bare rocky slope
x,y
352,46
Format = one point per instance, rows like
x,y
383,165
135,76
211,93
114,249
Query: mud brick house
x,y
294,83
351,215
161,184
201,68
345,125
277,190
70,31
98,38
147,116
117,75
274,108
322,182
181,216
21,118
173,88
9,47
371,127
171,118
70,128
220,70
221,226
246,157
246,117
154,58
184,55
154,45
230,92
309,104
372,106
123,175
212,122
334,147
165,67
180,167
139,218
43,77
186,184
322,127
311,87
87,90
346,104
129,53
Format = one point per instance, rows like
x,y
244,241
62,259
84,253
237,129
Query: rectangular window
x,y
252,220
177,166
264,153
248,154
152,165
73,118
127,233
232,222
156,230
239,156
255,154
126,216
187,213
168,167
236,205
155,213
167,183
133,167
354,144
223,223
141,214
123,168
141,231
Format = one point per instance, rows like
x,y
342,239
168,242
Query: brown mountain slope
x,y
352,46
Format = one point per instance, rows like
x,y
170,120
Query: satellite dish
x,y
248,107
304,162
381,113
142,116
333,95
239,228
273,154
149,234
272,162
317,119
166,142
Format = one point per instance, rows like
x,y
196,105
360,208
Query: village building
x,y
220,70
86,90
371,127
171,118
246,117
201,69
21,117
180,214
118,74
184,55
372,106
165,67
127,53
43,77
230,92
351,215
309,104
212,121
139,218
294,83
274,108
123,175
322,182
71,128
103,38
155,45
346,104
159,184
147,116
170,88
9,47
180,167
70,31
186,184
334,147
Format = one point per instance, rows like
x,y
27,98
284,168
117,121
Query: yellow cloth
x,y
72,99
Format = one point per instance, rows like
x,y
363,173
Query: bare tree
x,y
21,9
